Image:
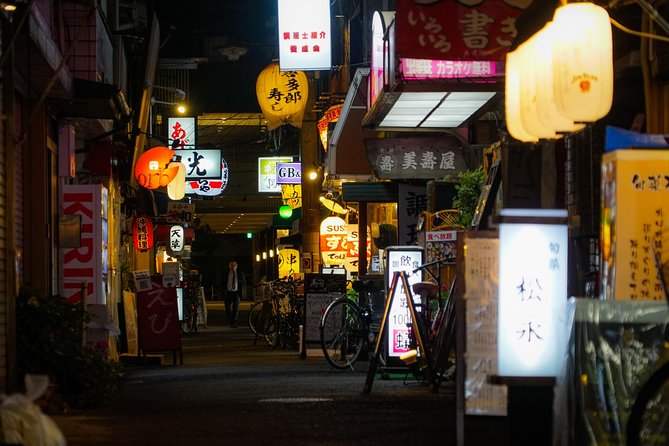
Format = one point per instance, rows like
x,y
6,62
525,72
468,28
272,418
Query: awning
x,y
346,158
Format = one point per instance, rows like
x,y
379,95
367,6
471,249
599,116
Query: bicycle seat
x,y
425,288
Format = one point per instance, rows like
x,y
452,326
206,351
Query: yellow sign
x,y
291,194
289,262
282,95
635,221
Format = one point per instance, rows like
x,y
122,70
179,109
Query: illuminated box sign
x,y
447,69
636,181
289,173
401,258
532,326
267,172
304,35
426,157
181,130
201,163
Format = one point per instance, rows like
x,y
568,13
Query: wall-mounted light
x,y
257,257
8,7
331,204
314,172
264,255
271,253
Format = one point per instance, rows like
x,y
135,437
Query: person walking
x,y
235,291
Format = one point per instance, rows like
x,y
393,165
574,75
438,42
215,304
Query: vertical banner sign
x,y
481,267
401,258
289,262
412,201
333,241
182,132
267,172
304,35
463,30
87,264
158,318
532,326
291,195
353,247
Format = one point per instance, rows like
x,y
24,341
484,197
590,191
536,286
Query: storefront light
x,y
264,255
271,253
257,257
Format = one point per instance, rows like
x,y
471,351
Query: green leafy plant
x,y
467,193
49,341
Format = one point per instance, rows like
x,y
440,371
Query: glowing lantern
x,y
176,189
528,93
352,247
289,262
333,241
285,211
153,168
583,61
282,95
142,233
177,239
330,115
514,123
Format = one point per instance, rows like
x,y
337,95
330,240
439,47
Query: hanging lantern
x,y
289,262
177,239
514,123
583,61
282,95
153,168
142,233
330,115
333,241
176,189
285,211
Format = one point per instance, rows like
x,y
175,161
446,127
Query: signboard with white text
x,y
289,173
181,130
304,35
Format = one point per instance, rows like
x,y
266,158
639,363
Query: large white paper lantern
x,y
512,100
583,62
528,93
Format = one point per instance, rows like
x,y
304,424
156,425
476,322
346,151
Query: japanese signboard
x,y
427,157
353,247
291,195
177,239
636,180
182,132
401,258
440,245
288,173
201,163
457,29
158,318
333,241
532,320
142,233
207,187
304,35
267,172
178,212
282,96
447,69
84,268
289,262
412,200
381,55
319,290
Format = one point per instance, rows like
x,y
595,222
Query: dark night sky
x,y
202,28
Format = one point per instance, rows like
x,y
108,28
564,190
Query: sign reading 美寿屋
x,y
416,157
267,172
182,131
288,173
304,35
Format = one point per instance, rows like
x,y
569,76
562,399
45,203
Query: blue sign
x,y
288,173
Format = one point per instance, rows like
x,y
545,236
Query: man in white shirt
x,y
234,291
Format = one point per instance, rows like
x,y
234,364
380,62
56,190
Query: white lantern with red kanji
x,y
353,247
333,241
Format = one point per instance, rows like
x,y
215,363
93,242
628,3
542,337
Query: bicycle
x,y
188,321
348,326
648,422
278,317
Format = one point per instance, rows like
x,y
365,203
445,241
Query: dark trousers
x,y
232,306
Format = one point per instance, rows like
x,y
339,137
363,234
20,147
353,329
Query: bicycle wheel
x,y
255,313
342,333
189,318
271,330
648,423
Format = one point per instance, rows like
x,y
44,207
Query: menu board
x,y
319,291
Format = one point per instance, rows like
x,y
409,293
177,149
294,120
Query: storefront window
x,y
382,221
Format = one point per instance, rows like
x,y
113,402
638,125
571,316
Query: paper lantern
x,y
176,189
514,123
330,115
582,61
177,239
289,262
352,247
142,233
333,241
282,95
153,168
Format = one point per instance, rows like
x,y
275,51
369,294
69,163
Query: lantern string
x,y
638,33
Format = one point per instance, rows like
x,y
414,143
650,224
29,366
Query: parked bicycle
x,y
189,311
278,316
347,326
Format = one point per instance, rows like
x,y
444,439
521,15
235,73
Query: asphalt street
x,y
234,390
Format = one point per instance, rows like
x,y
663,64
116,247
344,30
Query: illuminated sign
x,y
333,241
267,172
288,173
532,326
152,171
181,130
447,69
304,35
201,163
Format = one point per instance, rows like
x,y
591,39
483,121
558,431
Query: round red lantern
x,y
153,169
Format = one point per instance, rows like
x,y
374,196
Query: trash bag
x,y
23,422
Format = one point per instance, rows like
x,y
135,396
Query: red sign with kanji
x,y
456,29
